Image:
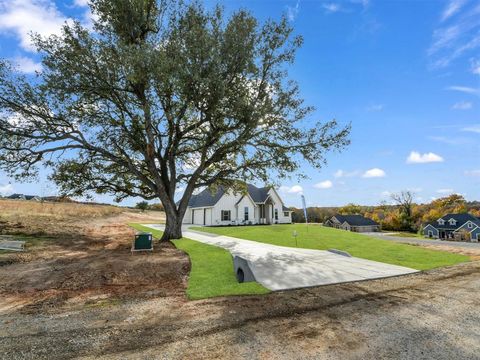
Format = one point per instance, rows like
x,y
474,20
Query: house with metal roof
x,y
355,223
226,207
463,227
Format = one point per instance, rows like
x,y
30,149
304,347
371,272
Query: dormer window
x,y
441,222
452,222
470,225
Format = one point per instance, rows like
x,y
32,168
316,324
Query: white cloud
x,y
452,8
364,3
327,184
331,7
374,173
386,193
475,66
27,65
462,105
6,189
341,174
22,17
445,191
292,11
473,128
417,158
473,173
458,37
295,189
81,3
375,107
464,89
451,140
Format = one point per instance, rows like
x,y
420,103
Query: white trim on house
x,y
271,210
468,223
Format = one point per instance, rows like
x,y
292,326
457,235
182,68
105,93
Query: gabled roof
x,y
355,220
207,198
259,195
460,219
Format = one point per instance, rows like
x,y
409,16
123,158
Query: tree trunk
x,y
173,226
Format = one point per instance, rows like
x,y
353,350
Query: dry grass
x,y
51,218
20,208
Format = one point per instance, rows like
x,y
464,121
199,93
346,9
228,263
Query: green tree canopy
x,y
161,95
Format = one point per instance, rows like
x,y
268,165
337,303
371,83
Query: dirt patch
x,y
77,261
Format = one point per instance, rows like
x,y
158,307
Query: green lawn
x,y
322,238
212,270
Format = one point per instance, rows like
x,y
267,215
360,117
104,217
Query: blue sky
x,y
406,74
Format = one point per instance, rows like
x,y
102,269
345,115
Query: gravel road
x,y
430,315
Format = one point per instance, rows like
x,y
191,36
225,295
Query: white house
x,y
256,206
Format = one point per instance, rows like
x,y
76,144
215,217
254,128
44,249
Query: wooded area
x,y
393,217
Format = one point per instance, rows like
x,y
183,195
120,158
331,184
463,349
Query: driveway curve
x,y
282,268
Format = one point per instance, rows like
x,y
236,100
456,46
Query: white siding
x,y
213,215
246,202
226,202
279,206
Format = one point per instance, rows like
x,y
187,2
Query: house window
x,y
430,233
276,214
226,215
470,225
285,213
452,222
441,222
246,213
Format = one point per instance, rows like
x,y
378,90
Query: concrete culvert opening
x,y
240,276
242,270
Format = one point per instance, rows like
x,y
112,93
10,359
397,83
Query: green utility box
x,y
143,242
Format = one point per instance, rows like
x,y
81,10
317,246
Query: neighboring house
x,y
24,197
355,223
454,226
256,206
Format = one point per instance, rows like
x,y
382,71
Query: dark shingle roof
x,y
355,220
459,218
207,198
22,196
259,195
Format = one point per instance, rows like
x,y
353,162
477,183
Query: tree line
x,y
403,215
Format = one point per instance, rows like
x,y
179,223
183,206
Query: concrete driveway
x,y
281,268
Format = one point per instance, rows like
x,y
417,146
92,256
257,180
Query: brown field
x,y
77,292
32,217
75,253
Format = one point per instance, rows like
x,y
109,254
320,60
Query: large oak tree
x,y
161,95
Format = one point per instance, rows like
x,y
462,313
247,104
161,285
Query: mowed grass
x,y
362,246
212,272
